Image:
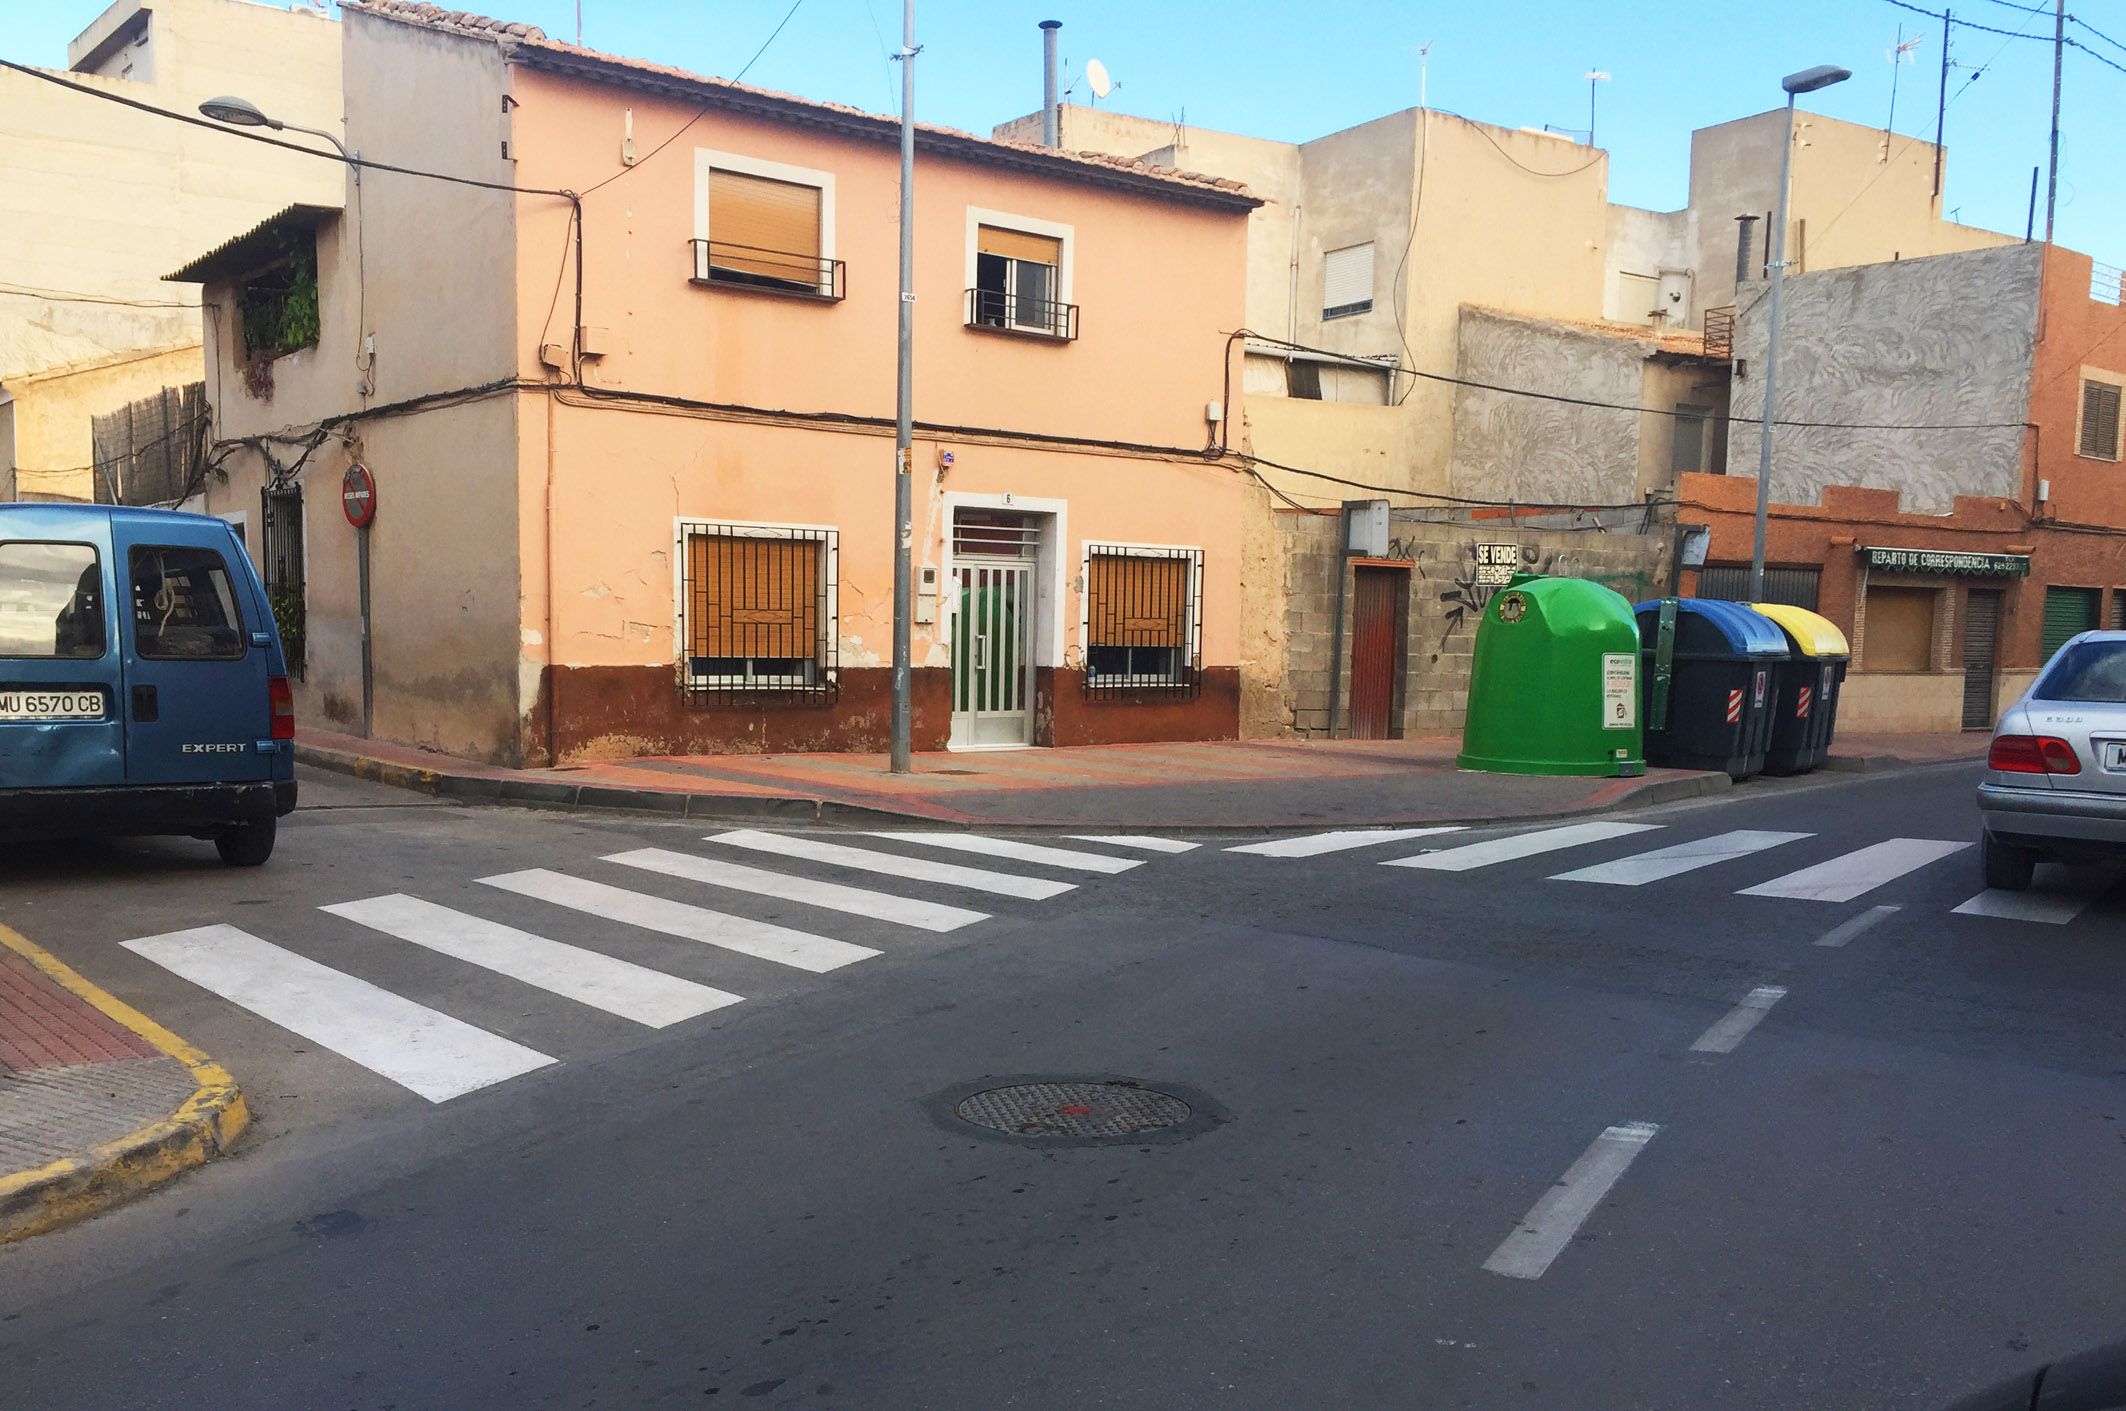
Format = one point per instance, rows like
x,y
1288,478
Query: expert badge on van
x,y
142,686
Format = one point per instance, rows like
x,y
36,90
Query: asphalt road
x,y
1467,1135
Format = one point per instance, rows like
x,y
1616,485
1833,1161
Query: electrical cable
x,y
702,111
2076,19
1397,288
1628,407
69,296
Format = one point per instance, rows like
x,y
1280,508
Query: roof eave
x,y
872,127
238,255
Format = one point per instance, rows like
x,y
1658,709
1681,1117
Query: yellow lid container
x,y
1814,634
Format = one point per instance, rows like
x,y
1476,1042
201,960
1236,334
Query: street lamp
x,y
1795,84
242,112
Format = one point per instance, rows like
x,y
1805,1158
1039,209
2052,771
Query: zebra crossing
x,y
1845,877
440,1056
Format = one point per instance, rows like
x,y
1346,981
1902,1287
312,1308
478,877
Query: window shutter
x,y
1347,279
2067,611
2100,420
1137,602
1899,630
764,227
753,597
1018,245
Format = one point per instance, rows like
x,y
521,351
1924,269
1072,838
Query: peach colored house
x,y
632,447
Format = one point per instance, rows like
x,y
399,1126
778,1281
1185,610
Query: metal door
x,y
1376,620
1982,615
992,670
2067,612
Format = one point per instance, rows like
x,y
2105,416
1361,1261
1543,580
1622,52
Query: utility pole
x,y
2052,175
1941,99
904,406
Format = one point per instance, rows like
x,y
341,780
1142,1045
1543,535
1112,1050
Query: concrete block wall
x,y
1445,604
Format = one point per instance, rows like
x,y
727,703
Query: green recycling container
x,y
1554,688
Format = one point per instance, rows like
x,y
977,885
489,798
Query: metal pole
x,y
1591,82
1771,361
1051,114
1941,99
904,406
2052,173
361,574
2030,216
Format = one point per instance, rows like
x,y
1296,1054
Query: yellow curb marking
x,y
75,1187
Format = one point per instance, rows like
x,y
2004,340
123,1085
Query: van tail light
x,y
2033,754
282,697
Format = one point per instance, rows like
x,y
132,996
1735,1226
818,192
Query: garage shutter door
x,y
2067,611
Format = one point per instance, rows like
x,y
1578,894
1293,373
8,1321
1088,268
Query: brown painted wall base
x,y
1070,717
613,712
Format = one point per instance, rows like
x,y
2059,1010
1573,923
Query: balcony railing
x,y
722,263
1720,332
1007,313
2106,282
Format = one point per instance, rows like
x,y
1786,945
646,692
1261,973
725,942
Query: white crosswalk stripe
x,y
1074,859
1340,840
857,901
604,982
1858,873
760,939
2052,907
414,1046
1641,868
1136,840
919,869
1473,855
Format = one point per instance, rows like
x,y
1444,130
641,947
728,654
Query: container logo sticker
x,y
1827,675
1620,690
1763,680
1734,706
1512,607
1801,702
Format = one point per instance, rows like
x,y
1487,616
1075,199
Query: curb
x,y
76,1187
560,794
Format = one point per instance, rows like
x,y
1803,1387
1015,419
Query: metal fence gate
x,y
1982,615
992,675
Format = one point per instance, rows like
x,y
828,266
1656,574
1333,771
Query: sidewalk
x,y
97,1102
1236,785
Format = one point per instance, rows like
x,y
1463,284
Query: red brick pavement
x,y
43,1025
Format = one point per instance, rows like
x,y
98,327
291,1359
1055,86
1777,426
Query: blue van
x,y
142,686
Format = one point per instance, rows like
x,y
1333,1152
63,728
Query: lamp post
x,y
241,112
1795,84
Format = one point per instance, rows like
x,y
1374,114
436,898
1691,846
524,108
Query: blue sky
x,y
1276,68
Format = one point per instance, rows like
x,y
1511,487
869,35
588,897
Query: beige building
x,y
101,200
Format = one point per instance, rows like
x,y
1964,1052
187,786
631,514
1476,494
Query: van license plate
x,y
51,705
2115,754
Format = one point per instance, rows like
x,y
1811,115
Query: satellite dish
x,y
1097,80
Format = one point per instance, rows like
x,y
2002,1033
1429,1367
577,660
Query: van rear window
x,y
184,607
51,601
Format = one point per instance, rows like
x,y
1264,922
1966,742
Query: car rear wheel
x,y
2008,869
246,844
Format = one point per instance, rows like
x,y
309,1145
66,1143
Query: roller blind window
x,y
1018,280
1347,281
763,231
1141,613
754,609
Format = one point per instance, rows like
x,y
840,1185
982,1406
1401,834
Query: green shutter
x,y
2067,611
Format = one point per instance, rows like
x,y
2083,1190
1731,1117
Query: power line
x,y
2076,19
70,296
1967,24
699,113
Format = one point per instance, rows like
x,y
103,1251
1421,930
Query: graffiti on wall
x,y
1474,578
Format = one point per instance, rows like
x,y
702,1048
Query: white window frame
x,y
1066,261
825,673
2116,381
1192,655
706,162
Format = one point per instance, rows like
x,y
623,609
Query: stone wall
x,y
1445,601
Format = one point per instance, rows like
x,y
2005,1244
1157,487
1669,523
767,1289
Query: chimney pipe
x,y
1744,228
1051,114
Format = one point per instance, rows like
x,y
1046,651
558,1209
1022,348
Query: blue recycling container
x,y
1721,705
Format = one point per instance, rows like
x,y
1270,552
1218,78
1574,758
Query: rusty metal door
x,y
1377,596
1982,614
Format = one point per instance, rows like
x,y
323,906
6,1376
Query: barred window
x,y
1143,617
757,607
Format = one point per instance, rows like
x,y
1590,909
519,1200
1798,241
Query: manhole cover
x,y
1073,1109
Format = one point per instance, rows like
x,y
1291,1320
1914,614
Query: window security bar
x,y
723,263
1009,313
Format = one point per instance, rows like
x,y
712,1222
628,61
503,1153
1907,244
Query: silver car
x,y
2055,787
